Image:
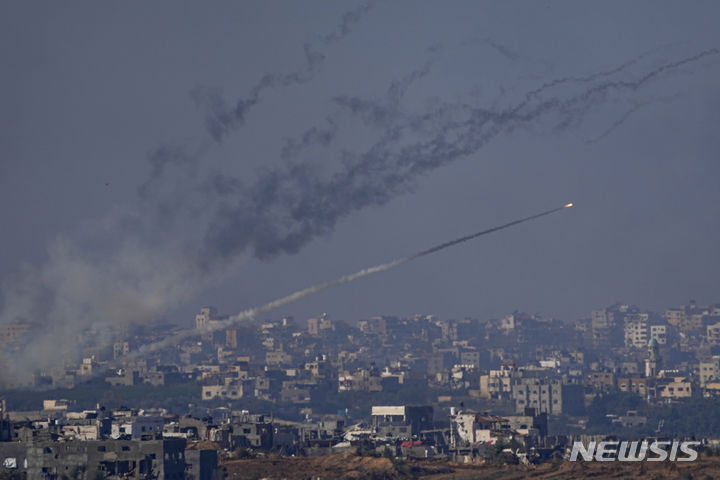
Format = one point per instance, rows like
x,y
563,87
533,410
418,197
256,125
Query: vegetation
x,y
495,454
690,417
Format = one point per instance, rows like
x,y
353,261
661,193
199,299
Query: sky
x,y
159,157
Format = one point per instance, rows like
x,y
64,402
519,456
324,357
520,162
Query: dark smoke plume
x,y
289,206
187,239
222,118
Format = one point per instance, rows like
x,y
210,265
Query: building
x,y
470,358
317,325
277,357
374,326
638,385
250,430
606,327
713,333
498,383
688,318
121,349
60,405
676,316
87,367
600,381
89,460
659,333
231,389
135,427
124,377
231,337
548,395
709,370
630,419
636,330
529,423
468,429
677,387
361,380
207,317
401,422
200,464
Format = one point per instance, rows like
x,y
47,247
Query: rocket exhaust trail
x,y
293,297
445,245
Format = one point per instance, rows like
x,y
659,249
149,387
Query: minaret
x,y
5,424
652,363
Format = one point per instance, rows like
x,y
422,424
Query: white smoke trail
x,y
294,297
277,303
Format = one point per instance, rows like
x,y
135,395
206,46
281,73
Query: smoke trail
x,y
221,118
635,107
292,204
294,297
136,265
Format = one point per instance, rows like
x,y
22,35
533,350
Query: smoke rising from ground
x,y
137,264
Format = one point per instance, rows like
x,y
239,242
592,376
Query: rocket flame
x,y
568,205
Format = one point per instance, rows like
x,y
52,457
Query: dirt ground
x,y
351,466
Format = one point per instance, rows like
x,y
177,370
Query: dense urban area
x,y
385,396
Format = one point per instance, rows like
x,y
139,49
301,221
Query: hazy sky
x,y
90,88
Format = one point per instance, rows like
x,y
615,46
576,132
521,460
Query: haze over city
x,y
366,239
91,90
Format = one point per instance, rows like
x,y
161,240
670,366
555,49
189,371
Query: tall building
x,y
207,316
606,327
548,395
652,363
317,325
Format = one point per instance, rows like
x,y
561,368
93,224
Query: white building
x,y
136,427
